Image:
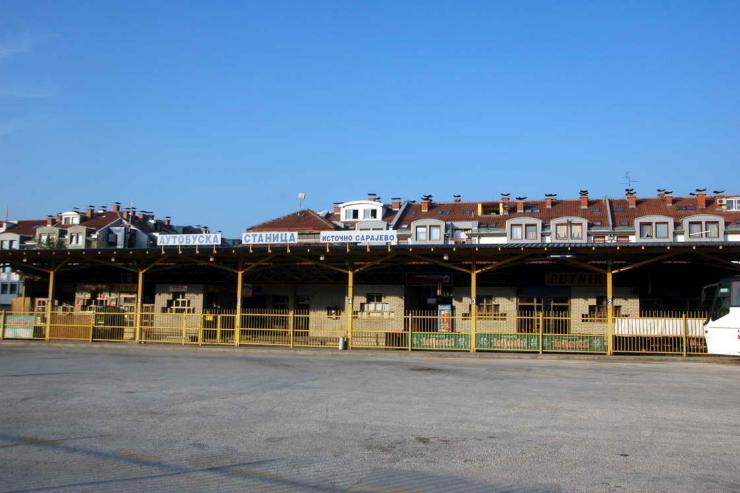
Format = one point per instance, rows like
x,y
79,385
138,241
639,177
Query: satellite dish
x,y
301,195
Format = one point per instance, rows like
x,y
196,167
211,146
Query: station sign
x,y
270,238
364,237
200,239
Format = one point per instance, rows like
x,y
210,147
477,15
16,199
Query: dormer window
x,y
361,210
524,229
654,228
69,218
654,231
703,227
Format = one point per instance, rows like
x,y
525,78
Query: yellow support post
x,y
350,305
200,329
238,319
541,322
473,308
291,326
609,312
685,334
2,326
137,310
49,305
411,329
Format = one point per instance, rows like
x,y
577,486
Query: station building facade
x,y
384,271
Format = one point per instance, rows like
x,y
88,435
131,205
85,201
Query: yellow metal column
x,y
49,305
291,326
473,308
541,331
685,326
2,325
609,312
137,310
350,305
238,319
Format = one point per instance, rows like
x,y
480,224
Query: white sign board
x,y
364,237
189,240
270,238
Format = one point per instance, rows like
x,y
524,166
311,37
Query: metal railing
x,y
678,333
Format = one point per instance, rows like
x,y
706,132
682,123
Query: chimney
x,y
631,199
59,217
372,197
668,199
90,211
520,204
337,208
167,221
142,216
426,202
457,199
49,220
396,203
116,207
549,199
584,199
701,198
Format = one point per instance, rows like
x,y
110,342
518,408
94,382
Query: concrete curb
x,y
376,353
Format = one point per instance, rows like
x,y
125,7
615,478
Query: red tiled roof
x,y
468,211
25,227
305,220
682,207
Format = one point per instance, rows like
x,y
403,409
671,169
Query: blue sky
x,y
219,113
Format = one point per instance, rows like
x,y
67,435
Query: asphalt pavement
x,y
125,418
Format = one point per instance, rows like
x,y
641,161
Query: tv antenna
x,y
301,198
628,180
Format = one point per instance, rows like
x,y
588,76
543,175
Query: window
x,y
599,311
421,233
733,204
179,303
435,233
333,312
74,238
661,230
561,232
369,213
351,214
4,288
516,232
44,238
699,229
488,308
646,230
530,230
569,231
13,288
374,303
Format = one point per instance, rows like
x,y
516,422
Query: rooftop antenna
x,y
301,198
628,180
